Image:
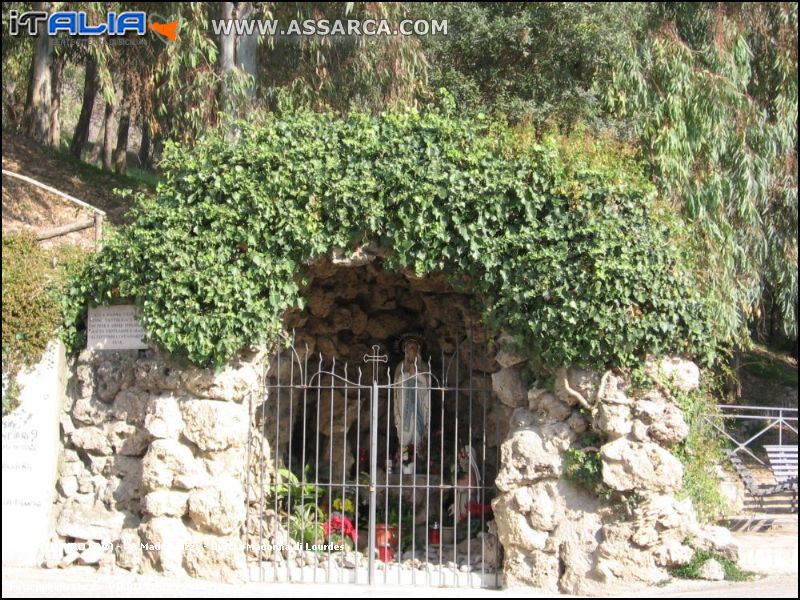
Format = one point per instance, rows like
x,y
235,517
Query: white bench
x,y
783,461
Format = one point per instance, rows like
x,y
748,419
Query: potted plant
x,y
339,531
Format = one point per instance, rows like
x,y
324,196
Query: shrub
x,y
32,279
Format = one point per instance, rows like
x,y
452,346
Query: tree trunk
x,y
121,152
227,54
247,49
90,89
55,101
39,107
108,148
145,148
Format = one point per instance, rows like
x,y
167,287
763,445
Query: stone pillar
x,y
30,459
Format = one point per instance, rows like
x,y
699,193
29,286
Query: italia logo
x,y
77,23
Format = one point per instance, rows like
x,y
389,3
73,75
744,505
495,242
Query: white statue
x,y
412,407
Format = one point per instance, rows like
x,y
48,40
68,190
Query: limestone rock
x,y
130,405
232,384
507,357
218,509
92,554
584,381
509,387
166,503
107,381
129,549
232,462
682,373
650,407
164,419
93,522
547,403
164,539
127,439
215,558
711,570
68,486
578,423
320,304
90,411
214,425
614,420
381,326
672,553
84,376
631,465
670,428
533,454
613,390
621,563
91,439
156,375
337,457
497,424
718,540
126,488
639,431
169,463
523,567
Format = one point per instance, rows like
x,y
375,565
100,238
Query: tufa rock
x,y
631,465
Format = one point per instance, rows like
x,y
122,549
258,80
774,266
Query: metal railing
x,y
337,471
96,221
773,424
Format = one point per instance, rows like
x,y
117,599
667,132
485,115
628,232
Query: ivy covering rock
x,y
574,256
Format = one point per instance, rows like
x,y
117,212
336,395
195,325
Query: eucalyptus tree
x,y
712,93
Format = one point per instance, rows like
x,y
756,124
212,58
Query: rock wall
x,y
155,456
560,537
153,467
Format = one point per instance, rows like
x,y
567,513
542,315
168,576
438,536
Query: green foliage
x,y
305,524
691,570
291,491
31,281
712,94
369,73
701,451
584,467
534,62
765,365
577,259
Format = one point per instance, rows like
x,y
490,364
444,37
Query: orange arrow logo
x,y
167,30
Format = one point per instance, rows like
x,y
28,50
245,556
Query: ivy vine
x,y
573,254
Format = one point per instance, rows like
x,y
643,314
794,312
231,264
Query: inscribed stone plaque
x,y
30,459
115,328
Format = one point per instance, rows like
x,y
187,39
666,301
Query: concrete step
x,y
760,522
770,553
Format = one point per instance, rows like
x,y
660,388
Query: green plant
x,y
584,467
701,450
691,570
305,524
32,281
290,490
574,254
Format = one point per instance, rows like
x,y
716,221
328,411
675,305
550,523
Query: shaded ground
x,y
27,207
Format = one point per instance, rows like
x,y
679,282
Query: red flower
x,y
476,509
341,525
